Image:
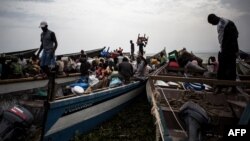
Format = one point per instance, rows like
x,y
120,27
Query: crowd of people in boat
x,y
19,67
191,63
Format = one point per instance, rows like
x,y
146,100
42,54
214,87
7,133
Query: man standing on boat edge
x,y
228,39
132,45
48,45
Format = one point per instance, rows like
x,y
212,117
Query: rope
x,y
157,116
174,113
155,97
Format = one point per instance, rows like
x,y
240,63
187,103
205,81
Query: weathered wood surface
x,y
202,80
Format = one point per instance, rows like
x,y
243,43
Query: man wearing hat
x,y
48,45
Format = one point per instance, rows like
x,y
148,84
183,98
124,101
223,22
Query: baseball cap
x,y
43,24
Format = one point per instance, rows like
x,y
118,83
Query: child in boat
x,y
212,64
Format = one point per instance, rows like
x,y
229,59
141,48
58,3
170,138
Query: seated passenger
x,y
212,64
31,70
98,71
163,59
125,69
141,70
103,72
36,64
94,65
16,69
59,65
70,66
84,69
22,61
4,68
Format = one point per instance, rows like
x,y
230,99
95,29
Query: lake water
x,y
205,56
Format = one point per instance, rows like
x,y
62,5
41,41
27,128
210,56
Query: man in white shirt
x,y
228,39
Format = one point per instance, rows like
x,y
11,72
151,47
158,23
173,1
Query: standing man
x,y
48,45
83,54
132,49
141,45
228,39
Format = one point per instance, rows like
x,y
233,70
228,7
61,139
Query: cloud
x,y
242,5
96,23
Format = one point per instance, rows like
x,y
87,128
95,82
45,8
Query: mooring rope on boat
x,y
156,115
173,113
154,109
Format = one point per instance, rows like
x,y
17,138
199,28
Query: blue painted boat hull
x,y
80,114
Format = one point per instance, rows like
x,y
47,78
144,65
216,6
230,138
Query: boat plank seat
x,y
244,77
204,80
70,95
237,103
66,96
176,135
175,69
33,103
101,89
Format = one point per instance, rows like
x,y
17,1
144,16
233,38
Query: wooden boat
x,y
63,117
25,53
76,114
72,114
243,70
90,53
245,56
182,114
157,55
21,84
79,114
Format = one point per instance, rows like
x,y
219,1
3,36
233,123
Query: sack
x,y
80,84
173,64
194,86
77,90
115,82
93,80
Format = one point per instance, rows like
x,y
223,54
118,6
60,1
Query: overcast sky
x,y
90,24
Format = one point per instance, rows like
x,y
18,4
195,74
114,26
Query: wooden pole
x,y
50,97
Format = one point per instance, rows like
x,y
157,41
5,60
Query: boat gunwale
x,y
94,95
20,80
165,135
